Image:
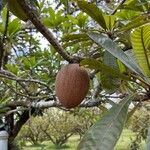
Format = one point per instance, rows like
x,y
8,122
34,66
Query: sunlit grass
x,y
123,143
47,145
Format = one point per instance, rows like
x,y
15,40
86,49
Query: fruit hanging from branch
x,y
72,85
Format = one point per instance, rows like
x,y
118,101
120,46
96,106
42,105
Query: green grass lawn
x,y
47,145
122,144
125,141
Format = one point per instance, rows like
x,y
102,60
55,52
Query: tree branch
x,y
25,95
55,103
11,76
2,41
15,110
1,53
52,103
6,26
34,18
122,2
22,120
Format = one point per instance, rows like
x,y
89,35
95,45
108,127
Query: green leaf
x,y
17,10
13,68
121,66
4,110
14,26
105,133
136,22
29,62
135,5
93,11
54,19
3,15
36,3
110,21
1,28
126,14
140,39
72,37
72,19
97,65
51,12
130,114
82,19
48,22
107,81
32,61
103,108
112,47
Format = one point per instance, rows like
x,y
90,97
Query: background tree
x,y
110,38
57,126
139,123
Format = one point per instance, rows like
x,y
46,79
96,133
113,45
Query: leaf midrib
x,y
113,119
144,48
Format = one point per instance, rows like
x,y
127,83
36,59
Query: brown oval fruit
x,y
72,85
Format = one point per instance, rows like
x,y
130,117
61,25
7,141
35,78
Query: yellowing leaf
x,y
140,39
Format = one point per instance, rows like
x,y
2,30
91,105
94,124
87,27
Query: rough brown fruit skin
x,y
72,85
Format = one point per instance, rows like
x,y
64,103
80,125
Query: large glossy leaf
x,y
140,39
103,68
107,81
112,47
97,14
105,133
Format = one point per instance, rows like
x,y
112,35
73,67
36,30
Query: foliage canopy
x,y
110,38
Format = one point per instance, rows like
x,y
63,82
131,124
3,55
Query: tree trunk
x,y
17,127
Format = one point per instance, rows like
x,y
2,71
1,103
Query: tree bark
x,y
17,127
